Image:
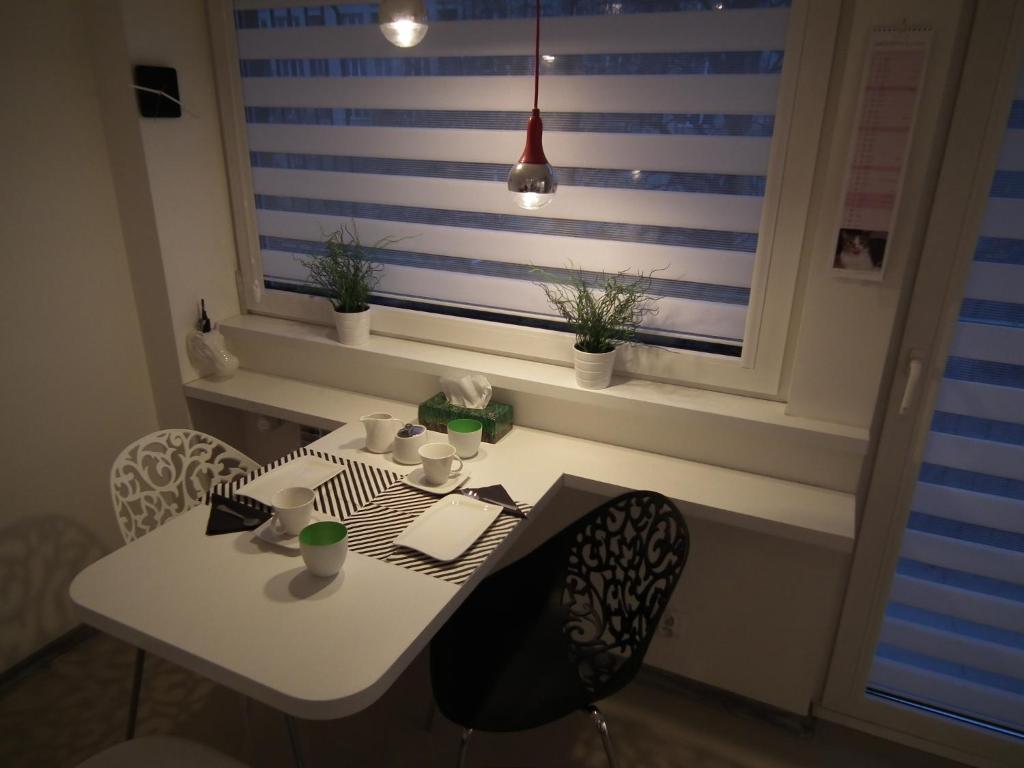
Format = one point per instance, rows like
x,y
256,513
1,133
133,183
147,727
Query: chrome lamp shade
x,y
533,184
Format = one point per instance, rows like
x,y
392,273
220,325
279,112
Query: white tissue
x,y
467,391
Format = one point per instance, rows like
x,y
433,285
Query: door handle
x,y
910,389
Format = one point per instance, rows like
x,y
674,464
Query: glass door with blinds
x,y
659,118
930,645
952,638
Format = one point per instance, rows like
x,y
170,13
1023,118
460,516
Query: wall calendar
x,y
889,94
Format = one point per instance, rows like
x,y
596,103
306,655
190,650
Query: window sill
x,y
711,427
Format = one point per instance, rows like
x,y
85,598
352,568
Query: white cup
x,y
437,462
465,435
324,547
293,507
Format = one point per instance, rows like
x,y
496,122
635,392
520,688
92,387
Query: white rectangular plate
x,y
305,471
448,527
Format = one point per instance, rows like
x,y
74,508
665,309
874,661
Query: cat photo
x,y
859,250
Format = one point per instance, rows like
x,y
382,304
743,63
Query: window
x,y
667,123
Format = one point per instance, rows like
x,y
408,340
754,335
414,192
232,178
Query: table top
x,y
532,460
249,616
530,463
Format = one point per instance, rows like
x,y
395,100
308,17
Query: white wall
x,y
846,326
170,176
75,387
185,165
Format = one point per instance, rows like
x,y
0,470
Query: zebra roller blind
x,y
658,118
953,633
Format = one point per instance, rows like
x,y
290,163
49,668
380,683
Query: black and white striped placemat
x,y
340,496
373,529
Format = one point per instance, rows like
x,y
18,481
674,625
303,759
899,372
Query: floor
x,y
77,704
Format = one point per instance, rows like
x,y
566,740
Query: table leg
x,y
293,737
133,705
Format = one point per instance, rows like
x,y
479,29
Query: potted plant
x,y
603,311
347,274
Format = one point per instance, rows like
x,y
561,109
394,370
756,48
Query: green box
x,y
436,412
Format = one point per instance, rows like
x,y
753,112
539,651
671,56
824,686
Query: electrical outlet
x,y
667,628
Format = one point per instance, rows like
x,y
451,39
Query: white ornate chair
x,y
159,476
166,472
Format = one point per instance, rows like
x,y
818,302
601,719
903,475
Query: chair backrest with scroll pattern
x,y
164,473
625,559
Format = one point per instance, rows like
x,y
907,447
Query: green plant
x,y
603,310
344,269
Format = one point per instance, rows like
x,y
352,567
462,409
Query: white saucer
x,y
272,533
415,479
404,463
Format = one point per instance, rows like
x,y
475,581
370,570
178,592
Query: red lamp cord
x,y
536,59
534,152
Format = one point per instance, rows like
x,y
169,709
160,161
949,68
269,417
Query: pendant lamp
x,y
403,22
532,180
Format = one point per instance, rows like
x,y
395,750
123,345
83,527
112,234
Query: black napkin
x,y
223,522
496,492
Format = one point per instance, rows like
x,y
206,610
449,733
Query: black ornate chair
x,y
565,626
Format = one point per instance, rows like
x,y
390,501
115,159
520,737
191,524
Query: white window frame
x,y
767,347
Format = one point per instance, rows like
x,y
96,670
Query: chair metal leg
x,y
133,705
463,745
293,737
602,728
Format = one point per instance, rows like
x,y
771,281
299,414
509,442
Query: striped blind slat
x,y
906,672
953,632
658,116
922,637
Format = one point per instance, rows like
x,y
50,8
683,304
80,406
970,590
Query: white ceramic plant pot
x,y
353,327
593,369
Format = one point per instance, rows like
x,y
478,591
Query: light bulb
x,y
531,201
403,22
405,33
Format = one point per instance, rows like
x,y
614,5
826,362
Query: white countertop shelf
x,y
532,461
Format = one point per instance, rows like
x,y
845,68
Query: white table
x,y
250,617
223,608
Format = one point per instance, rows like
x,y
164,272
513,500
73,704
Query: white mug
x,y
437,462
293,507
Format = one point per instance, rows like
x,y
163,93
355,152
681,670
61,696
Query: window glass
x,y
952,639
658,117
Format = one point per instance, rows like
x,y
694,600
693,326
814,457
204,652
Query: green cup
x,y
464,435
324,546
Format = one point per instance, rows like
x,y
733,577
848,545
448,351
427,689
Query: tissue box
x,y
436,412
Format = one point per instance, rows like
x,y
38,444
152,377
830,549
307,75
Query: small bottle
x,y
204,320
